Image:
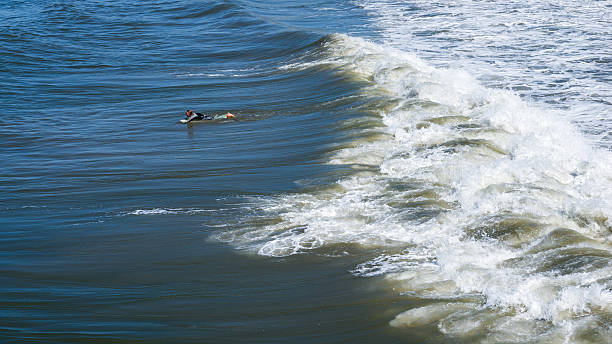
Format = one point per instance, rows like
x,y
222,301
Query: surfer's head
x,y
188,113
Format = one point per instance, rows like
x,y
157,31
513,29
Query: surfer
x,y
196,116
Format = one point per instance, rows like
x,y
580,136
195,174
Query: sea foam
x,y
467,181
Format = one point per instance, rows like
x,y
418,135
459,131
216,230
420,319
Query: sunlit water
x,y
398,172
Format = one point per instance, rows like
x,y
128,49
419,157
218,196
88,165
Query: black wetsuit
x,y
199,117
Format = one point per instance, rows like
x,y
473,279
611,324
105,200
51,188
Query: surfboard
x,y
190,119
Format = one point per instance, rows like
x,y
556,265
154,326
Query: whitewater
x,y
489,203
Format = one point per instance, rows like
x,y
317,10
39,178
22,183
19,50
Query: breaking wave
x,y
491,208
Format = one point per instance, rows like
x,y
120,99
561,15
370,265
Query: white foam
x,y
465,157
166,211
552,51
428,314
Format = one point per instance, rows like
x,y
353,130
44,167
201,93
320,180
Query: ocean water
x,y
398,172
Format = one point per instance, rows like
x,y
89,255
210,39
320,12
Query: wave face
x,y
491,210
